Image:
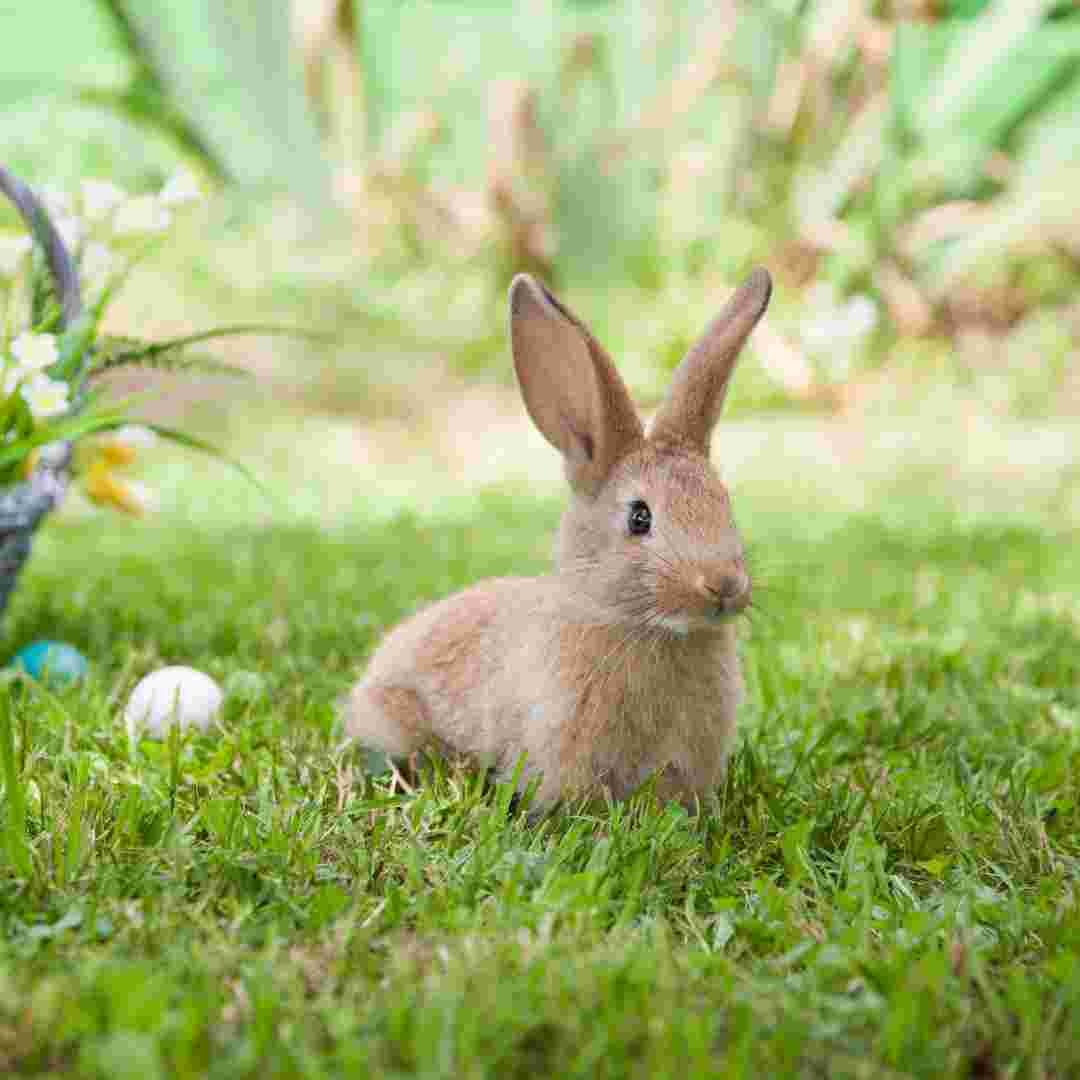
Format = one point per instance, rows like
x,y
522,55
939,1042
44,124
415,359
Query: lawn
x,y
888,883
888,886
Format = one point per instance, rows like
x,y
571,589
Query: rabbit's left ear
x,y
700,382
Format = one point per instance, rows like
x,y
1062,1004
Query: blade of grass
x,y
14,797
148,352
75,428
193,442
76,824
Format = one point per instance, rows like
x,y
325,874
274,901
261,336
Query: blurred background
x,y
907,169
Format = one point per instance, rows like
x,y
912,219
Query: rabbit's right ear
x,y
571,388
692,405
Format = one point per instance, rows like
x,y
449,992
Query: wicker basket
x,y
23,505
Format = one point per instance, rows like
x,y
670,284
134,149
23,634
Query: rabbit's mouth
x,y
730,606
707,620
700,598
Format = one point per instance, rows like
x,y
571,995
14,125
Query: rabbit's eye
x,y
640,520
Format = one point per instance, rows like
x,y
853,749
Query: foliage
x,y
916,140
47,392
146,99
886,149
913,159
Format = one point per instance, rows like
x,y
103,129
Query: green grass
x,y
888,886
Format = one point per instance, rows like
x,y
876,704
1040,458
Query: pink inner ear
x,y
570,386
587,446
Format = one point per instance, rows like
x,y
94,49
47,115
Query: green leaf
x,y
9,412
78,339
327,904
111,353
1022,82
972,67
193,442
117,352
14,825
74,427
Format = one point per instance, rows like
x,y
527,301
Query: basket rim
x,y
44,487
62,267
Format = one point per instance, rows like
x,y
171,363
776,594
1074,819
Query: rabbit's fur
x,y
622,663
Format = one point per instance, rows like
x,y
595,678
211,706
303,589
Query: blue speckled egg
x,y
53,662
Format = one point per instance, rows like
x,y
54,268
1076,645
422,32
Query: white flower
x,y
34,352
820,332
57,201
13,247
135,436
143,214
100,198
146,498
181,188
70,230
46,397
12,377
833,325
861,315
97,263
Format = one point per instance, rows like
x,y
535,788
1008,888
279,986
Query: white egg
x,y
178,695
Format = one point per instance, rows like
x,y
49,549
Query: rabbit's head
x,y
649,532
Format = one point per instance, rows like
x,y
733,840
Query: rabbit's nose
x,y
727,586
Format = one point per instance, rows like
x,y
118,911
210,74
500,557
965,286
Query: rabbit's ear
x,y
698,387
570,386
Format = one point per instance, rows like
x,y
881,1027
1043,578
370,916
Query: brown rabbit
x,y
622,663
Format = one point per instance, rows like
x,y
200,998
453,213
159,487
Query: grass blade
x,y
130,351
14,824
193,442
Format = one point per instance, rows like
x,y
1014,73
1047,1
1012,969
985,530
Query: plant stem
x,y
147,100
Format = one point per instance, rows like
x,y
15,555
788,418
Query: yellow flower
x,y
103,486
120,447
117,453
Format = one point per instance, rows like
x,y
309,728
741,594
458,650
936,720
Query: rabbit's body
x,y
621,664
592,704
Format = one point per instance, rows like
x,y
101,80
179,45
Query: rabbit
x,y
621,664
